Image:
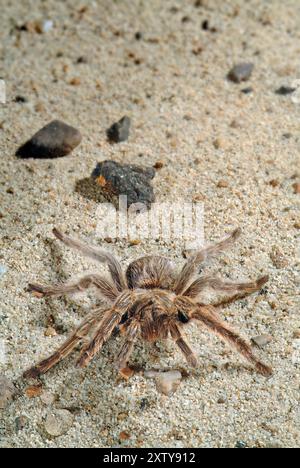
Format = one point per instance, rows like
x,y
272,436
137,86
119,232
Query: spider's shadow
x,y
55,307
88,189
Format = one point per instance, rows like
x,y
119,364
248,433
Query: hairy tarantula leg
x,y
105,328
229,300
98,255
131,334
66,348
218,285
182,344
196,259
207,317
107,289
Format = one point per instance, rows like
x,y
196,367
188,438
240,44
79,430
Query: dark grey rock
x,y
240,72
20,99
55,140
133,181
240,444
285,90
247,90
119,131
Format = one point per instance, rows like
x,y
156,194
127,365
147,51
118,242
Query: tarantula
x,y
149,301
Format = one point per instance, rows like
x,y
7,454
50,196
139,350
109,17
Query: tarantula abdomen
x,y
150,273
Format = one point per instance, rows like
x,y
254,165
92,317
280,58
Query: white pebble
x,y
58,422
47,26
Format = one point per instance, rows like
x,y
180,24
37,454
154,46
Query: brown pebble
x,y
198,197
297,225
274,182
262,340
75,81
134,242
126,372
296,187
235,123
221,401
124,435
222,184
158,165
220,143
34,391
122,416
296,334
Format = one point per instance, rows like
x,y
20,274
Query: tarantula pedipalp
x,y
149,301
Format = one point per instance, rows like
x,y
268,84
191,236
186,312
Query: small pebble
x,y
119,131
82,59
126,373
47,398
158,165
221,400
55,140
262,340
221,143
20,423
240,444
278,258
3,270
33,391
222,184
296,187
168,382
240,72
274,183
133,181
285,90
75,81
205,25
58,422
134,242
296,334
247,90
144,403
124,435
47,26
7,391
20,99
50,331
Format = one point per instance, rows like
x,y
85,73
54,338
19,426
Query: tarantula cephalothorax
x,y
150,301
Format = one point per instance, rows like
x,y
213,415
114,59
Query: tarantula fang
x,y
150,301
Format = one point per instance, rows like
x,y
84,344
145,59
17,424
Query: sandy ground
x,y
185,113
